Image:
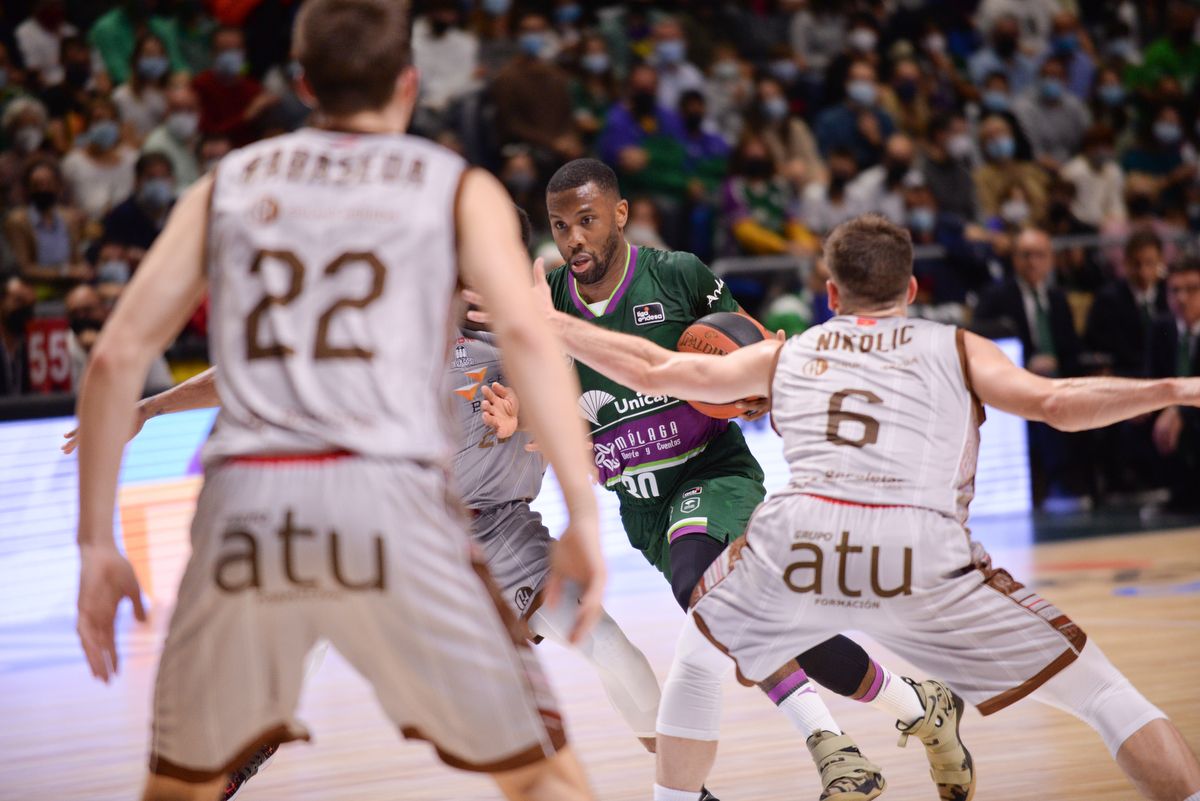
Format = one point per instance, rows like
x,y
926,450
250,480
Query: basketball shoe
x,y
950,763
253,765
846,774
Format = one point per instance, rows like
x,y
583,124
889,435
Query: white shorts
x,y
372,556
810,567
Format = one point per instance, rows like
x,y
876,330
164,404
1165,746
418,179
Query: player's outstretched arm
x,y
153,308
494,262
652,370
198,392
1069,404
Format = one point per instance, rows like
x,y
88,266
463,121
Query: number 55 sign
x,y
49,356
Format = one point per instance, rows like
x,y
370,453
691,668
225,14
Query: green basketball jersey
x,y
645,446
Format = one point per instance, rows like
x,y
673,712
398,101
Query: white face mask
x,y
183,124
28,138
863,39
959,146
1015,211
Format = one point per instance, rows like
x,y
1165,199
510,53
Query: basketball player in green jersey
x,y
688,483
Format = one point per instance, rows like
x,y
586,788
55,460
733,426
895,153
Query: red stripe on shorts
x,y
841,502
289,458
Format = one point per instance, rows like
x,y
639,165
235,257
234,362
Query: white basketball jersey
x,y
879,411
332,269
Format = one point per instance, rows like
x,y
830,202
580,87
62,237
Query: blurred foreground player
x,y
498,475
332,257
879,415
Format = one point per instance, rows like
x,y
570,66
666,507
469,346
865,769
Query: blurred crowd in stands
x,y
1043,154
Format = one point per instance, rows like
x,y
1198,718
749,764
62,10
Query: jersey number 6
x,y
838,417
321,347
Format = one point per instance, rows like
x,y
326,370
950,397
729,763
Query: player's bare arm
x,y
652,370
493,261
166,289
198,392
1069,404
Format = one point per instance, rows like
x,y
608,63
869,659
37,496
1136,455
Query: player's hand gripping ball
x,y
721,333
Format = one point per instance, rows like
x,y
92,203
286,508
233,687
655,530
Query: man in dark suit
x,y
1175,351
1025,306
1121,316
1118,328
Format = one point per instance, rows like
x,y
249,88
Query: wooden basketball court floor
x,y
64,736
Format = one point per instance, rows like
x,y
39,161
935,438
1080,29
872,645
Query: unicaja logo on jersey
x,y
591,402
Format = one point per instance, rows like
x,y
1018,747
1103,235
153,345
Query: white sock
x,y
892,694
1193,797
667,794
798,699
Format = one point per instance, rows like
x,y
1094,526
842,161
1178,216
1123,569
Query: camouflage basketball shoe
x,y
846,774
950,763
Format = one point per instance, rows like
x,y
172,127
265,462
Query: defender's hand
x,y
501,409
105,577
576,560
754,408
139,419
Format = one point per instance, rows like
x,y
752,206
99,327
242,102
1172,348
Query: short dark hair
x,y
870,259
526,226
148,160
39,163
352,51
581,172
1190,264
1142,238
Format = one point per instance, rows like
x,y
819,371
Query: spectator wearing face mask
x,y
949,158
1098,179
142,99
68,99
230,100
880,189
1159,156
1002,170
759,205
961,268
1070,43
137,221
446,55
1109,105
997,101
826,205
533,99
1142,207
643,226
177,136
520,176
594,88
40,41
789,139
114,36
634,121
1052,118
44,235
99,170
22,136
676,74
16,310
906,99
862,41
1003,54
857,122
86,313
730,89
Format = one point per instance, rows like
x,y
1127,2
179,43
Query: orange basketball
x,y
720,333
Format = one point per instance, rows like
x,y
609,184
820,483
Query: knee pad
x,y
838,664
1093,690
691,701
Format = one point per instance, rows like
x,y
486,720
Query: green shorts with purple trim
x,y
717,507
